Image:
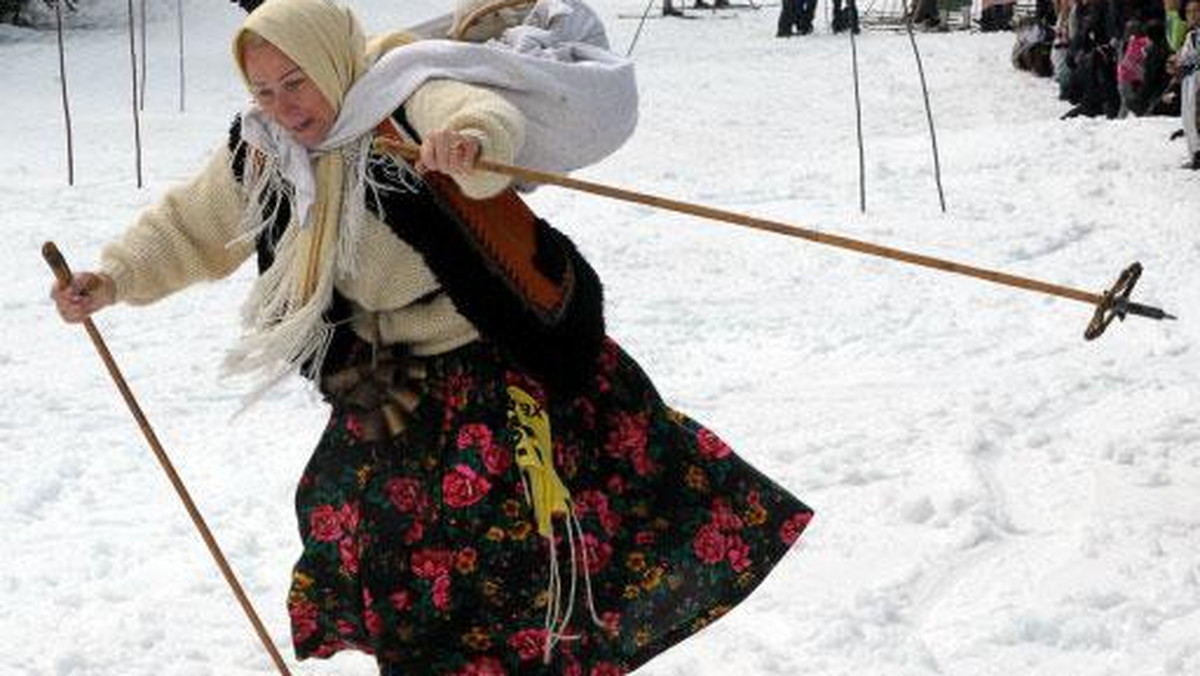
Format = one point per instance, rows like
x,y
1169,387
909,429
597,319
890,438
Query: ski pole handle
x,y
62,271
57,263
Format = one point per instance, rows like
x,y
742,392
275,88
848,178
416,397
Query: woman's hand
x,y
87,293
448,152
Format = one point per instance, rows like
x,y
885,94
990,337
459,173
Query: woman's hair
x,y
247,39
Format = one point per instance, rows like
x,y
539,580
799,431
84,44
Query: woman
x,y
491,460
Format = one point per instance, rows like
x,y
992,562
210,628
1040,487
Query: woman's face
x,y
1192,14
286,94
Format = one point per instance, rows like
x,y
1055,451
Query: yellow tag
x,y
535,457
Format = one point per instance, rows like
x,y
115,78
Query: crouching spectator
x,y
1142,71
1032,49
1092,62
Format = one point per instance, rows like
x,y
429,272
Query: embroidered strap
x,y
530,423
517,279
502,227
535,458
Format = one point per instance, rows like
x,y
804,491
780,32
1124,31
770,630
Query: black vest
x,y
560,351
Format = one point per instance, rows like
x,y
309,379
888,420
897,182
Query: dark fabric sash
x,y
518,280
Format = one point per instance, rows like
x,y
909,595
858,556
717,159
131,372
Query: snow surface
x,y
994,494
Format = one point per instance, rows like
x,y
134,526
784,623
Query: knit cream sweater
x,y
187,237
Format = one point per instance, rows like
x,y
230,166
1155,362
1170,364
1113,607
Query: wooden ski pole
x,y
937,164
1113,303
59,265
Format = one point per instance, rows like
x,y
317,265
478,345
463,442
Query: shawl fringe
x,y
558,343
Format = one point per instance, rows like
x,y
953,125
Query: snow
x,y
994,494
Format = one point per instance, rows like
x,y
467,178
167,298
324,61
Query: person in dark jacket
x,y
795,17
1142,76
926,14
1092,60
845,18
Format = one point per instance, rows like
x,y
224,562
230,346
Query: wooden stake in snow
x,y
638,32
137,124
862,169
142,74
937,164
182,80
62,75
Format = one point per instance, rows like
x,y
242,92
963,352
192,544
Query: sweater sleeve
x,y
184,239
488,117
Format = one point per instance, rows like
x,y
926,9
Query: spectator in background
x,y
1064,29
1142,73
1046,12
1032,49
1177,30
1091,58
1185,64
996,15
925,13
1176,25
795,17
845,18
806,10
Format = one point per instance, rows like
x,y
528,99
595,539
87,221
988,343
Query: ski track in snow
x,y
994,495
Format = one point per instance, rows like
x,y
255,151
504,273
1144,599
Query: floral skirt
x,y
423,549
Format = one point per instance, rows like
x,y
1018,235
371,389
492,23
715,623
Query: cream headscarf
x,y
284,313
325,40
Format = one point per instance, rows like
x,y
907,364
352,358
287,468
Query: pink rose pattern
x,y
422,550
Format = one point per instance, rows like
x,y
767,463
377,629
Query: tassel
x,y
549,497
